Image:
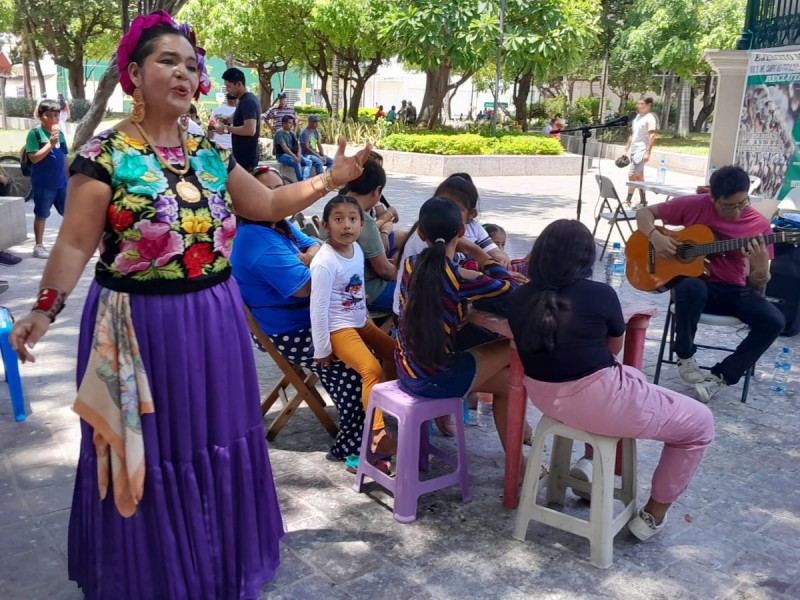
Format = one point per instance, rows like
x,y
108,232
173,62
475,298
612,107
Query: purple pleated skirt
x,y
209,523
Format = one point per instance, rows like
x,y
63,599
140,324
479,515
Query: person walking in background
x,y
391,116
311,146
640,145
65,113
174,495
47,151
411,113
402,113
274,116
245,129
224,114
380,114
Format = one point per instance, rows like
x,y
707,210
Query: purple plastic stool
x,y
413,448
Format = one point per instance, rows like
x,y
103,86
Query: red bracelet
x,y
50,302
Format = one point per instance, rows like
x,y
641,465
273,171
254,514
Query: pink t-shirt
x,y
728,267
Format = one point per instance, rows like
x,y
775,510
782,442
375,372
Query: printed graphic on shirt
x,y
353,297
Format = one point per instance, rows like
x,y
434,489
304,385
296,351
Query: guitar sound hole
x,y
685,252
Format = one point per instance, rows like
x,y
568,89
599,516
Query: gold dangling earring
x,y
137,112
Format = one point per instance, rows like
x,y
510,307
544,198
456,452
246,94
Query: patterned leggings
x,y
342,383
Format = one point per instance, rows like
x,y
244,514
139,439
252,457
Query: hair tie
x,y
437,240
128,42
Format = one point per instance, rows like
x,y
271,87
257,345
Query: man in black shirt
x,y
244,130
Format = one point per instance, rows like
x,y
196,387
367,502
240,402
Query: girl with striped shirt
x,y
434,291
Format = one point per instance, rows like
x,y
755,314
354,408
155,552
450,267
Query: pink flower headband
x,y
127,45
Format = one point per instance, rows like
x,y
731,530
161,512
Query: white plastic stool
x,y
602,525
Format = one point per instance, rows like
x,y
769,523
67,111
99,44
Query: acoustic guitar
x,y
651,273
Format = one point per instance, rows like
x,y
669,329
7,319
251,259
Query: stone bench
x,y
13,228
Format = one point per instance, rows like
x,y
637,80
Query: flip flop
x,y
382,464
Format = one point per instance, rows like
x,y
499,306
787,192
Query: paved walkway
x,y
735,534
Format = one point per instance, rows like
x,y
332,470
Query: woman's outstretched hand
x,y
27,331
347,168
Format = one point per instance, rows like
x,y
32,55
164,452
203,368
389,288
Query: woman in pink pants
x,y
568,329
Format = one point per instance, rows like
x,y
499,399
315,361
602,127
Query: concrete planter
x,y
486,165
682,163
13,229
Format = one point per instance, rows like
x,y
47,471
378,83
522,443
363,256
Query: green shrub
x,y
471,143
20,107
307,109
78,108
532,144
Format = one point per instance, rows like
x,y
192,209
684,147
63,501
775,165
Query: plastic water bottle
x,y
780,376
710,173
485,418
662,172
614,268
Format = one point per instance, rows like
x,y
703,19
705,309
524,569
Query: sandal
x,y
383,465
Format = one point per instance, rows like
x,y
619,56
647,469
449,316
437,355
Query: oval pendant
x,y
188,192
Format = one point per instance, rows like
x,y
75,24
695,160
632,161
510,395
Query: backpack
x,y
24,159
24,162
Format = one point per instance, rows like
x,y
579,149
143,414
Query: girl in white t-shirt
x,y
339,324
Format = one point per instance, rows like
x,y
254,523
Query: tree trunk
x,y
34,52
667,100
345,99
360,83
265,74
75,78
603,84
521,99
335,88
708,105
26,76
436,84
683,107
94,115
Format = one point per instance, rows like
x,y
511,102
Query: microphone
x,y
622,121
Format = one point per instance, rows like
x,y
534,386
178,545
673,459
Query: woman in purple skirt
x,y
174,498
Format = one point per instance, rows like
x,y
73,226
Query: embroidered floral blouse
x,y
154,241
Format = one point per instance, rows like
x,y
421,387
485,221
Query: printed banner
x,y
766,146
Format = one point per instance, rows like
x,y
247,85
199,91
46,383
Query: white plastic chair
x,y
602,525
612,211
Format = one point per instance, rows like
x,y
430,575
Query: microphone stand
x,y
586,132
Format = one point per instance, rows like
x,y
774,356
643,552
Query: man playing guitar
x,y
726,289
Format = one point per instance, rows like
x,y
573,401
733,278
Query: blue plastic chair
x,y
11,366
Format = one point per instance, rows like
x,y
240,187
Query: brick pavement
x,y
736,533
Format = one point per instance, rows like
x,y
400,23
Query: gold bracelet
x,y
314,181
327,181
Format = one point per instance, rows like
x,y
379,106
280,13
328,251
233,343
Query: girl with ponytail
x,y
433,296
568,330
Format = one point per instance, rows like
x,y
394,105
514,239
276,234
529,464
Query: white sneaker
x,y
582,470
40,251
706,389
643,525
689,371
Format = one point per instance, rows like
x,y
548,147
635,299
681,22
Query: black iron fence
x,y
771,24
